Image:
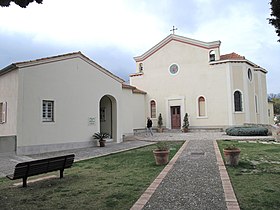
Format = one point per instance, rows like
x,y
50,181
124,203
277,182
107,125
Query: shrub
x,y
247,131
160,123
186,121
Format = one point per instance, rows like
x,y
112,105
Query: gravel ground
x,y
193,183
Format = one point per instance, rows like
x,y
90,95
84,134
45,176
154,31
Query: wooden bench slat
x,y
19,173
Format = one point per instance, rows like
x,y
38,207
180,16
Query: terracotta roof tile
x,y
232,56
136,74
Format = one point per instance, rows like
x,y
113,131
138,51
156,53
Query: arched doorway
x,y
108,116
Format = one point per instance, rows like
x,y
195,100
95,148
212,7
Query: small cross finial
x,y
174,29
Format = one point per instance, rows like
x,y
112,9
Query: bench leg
x,y
61,173
24,182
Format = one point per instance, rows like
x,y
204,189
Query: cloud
x,y
90,23
112,32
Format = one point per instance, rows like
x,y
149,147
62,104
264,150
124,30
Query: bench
x,y
36,167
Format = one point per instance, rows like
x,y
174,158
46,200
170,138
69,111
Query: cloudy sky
x,y
112,32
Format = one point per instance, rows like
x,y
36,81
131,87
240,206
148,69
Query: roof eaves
x,y
133,89
227,61
139,91
51,59
107,72
7,69
47,60
261,69
165,41
136,74
255,66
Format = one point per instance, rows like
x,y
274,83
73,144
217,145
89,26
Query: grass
x,y
111,182
256,181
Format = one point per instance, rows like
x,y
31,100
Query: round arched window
x,y
250,74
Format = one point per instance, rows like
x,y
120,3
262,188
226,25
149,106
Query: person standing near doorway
x,y
149,126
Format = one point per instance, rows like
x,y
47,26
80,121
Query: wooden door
x,y
175,117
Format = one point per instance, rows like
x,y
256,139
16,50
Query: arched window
x,y
250,74
237,101
212,55
140,67
201,107
153,109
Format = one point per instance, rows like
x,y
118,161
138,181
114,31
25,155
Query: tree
x,y
21,3
275,98
275,14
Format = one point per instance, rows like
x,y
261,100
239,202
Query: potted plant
x,y
186,123
161,154
160,123
101,137
231,154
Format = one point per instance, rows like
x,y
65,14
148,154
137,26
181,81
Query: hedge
x,y
247,131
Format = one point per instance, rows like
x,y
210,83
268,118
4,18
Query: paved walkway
x,y
194,179
193,183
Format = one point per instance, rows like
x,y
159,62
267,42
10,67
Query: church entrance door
x,y
175,117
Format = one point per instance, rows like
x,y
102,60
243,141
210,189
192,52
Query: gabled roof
x,y
173,37
56,58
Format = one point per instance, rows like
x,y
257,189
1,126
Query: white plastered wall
x,y
76,88
133,112
195,77
8,94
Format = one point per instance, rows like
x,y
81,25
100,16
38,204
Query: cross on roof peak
x,y
174,29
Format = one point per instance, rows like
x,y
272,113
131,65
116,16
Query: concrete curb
x,y
140,203
230,197
116,152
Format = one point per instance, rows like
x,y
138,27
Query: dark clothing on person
x,y
149,123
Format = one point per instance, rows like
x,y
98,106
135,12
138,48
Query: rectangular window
x,y
48,111
3,112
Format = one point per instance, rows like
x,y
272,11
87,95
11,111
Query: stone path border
x,y
140,203
230,198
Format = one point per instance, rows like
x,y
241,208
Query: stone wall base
x,y
8,144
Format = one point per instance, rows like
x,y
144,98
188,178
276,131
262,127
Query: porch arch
x,y
108,116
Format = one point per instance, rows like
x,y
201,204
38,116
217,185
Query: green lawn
x,y
256,181
111,182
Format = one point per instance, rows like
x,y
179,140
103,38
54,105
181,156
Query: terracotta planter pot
x,y
102,143
161,156
160,130
232,156
185,130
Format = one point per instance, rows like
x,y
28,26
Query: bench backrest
x,y
36,167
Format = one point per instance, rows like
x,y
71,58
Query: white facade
x,y
76,89
202,84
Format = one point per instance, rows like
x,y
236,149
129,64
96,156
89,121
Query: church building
x,y
59,102
183,75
